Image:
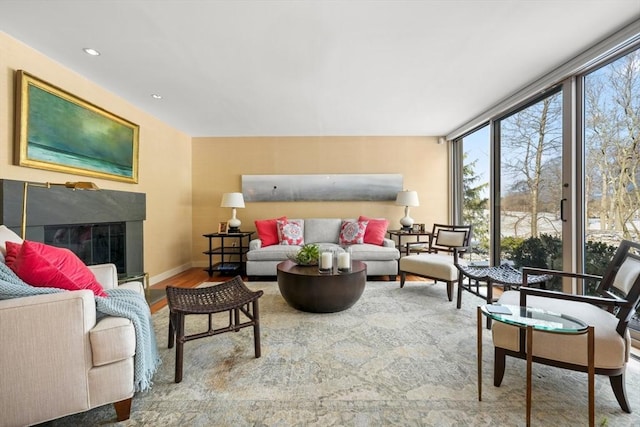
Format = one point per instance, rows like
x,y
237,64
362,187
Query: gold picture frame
x,y
223,227
58,131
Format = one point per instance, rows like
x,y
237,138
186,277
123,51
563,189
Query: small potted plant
x,y
307,255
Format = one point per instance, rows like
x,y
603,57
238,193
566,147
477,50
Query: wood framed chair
x,y
609,311
447,244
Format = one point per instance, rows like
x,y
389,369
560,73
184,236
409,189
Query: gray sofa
x,y
380,260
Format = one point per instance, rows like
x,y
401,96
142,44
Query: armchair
x,y
447,243
618,292
57,359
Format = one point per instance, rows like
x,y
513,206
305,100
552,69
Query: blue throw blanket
x,y
121,303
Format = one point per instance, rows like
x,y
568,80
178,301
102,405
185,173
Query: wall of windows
x,y
554,181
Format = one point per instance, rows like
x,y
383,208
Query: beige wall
x,y
164,167
184,178
219,163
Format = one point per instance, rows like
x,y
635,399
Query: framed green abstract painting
x,y
58,131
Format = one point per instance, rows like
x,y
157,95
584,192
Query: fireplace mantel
x,y
62,206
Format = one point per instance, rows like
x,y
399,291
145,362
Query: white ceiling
x,y
305,67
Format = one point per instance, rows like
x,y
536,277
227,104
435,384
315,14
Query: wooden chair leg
x,y
123,409
256,329
619,390
179,346
459,300
499,359
450,290
172,332
403,277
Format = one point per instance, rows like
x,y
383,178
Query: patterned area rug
x,y
398,357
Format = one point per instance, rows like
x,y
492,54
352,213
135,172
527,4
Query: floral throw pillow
x,y
352,232
290,232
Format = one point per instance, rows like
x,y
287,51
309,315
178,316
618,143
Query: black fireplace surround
x,y
99,226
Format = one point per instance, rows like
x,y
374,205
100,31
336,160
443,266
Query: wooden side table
x,y
234,246
400,234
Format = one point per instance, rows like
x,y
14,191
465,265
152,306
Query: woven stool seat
x,y
504,275
211,299
232,296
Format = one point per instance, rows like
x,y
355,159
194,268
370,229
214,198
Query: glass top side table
x,y
530,319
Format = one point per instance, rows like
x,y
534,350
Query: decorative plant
x,y
307,255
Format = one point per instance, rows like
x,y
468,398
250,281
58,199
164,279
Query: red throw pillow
x,y
290,232
47,266
268,230
352,232
12,252
376,230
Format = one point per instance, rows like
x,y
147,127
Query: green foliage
x,y
531,253
509,245
598,256
546,252
307,255
475,206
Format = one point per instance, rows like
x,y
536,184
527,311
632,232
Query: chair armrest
x,y
43,305
534,270
526,271
106,274
599,301
45,349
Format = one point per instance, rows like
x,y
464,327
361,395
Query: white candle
x,y
343,260
327,260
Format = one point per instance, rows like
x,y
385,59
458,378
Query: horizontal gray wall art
x,y
321,187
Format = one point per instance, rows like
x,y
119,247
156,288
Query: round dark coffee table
x,y
305,288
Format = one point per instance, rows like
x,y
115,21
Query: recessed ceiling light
x,y
156,96
91,51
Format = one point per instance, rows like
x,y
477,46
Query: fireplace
x,y
98,226
92,243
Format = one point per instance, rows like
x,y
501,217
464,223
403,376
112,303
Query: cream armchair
x,y
57,360
618,293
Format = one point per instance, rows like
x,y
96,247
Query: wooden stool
x,y
232,296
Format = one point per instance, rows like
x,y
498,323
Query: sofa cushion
x,y
376,230
322,230
368,252
273,253
268,230
290,232
47,266
437,266
612,349
352,232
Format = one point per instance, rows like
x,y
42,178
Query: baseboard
x,y
170,273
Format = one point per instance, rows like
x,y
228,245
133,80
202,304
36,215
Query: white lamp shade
x,y
232,200
407,198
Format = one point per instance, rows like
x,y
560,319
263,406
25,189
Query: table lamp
x,y
407,198
233,200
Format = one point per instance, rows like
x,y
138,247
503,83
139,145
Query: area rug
x,y
398,357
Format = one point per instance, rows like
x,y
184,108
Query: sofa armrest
x,y
388,243
46,346
106,274
255,244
